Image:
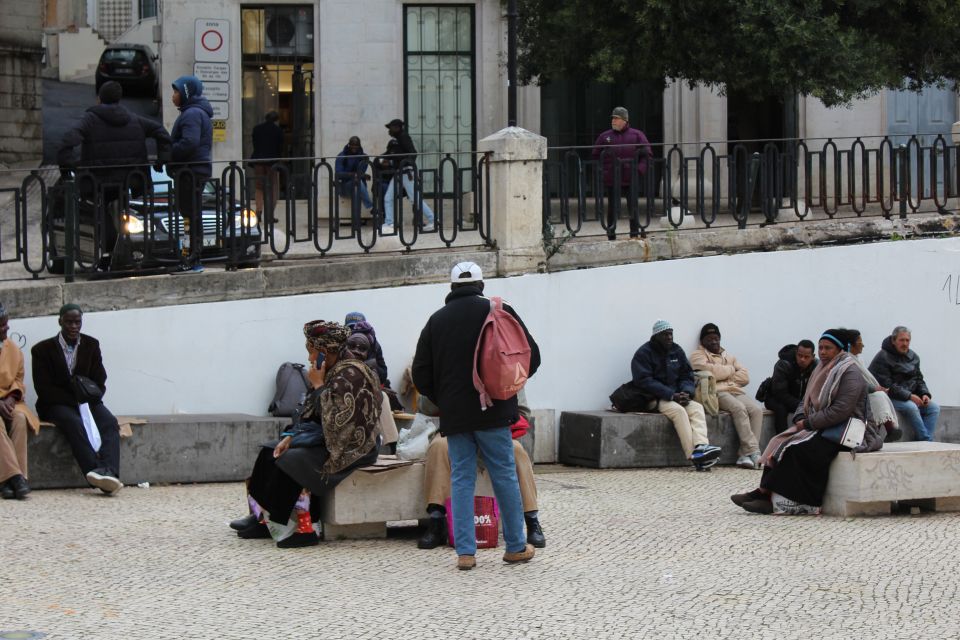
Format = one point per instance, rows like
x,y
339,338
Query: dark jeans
x,y
68,421
780,413
614,211
189,187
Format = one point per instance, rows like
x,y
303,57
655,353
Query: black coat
x,y
110,135
443,364
660,373
267,141
51,379
898,372
788,382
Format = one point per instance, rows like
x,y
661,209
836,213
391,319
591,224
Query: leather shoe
x,y
740,498
465,563
254,531
6,491
761,505
535,533
299,540
513,557
20,487
435,535
242,523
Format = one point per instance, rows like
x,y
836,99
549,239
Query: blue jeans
x,y
922,419
496,447
407,180
347,191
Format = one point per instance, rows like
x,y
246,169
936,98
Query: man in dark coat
x,y
443,372
267,140
192,157
401,166
55,361
113,147
621,145
350,171
789,381
661,370
897,368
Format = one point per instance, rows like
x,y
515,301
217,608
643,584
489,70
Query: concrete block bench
x,y
924,474
166,449
611,440
369,498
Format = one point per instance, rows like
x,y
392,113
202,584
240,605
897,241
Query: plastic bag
x,y
413,442
486,520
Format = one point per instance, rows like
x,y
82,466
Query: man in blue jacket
x,y
443,372
660,369
350,171
192,157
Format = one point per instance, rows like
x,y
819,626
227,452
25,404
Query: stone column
x,y
516,198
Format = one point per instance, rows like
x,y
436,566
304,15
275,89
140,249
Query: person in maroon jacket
x,y
628,148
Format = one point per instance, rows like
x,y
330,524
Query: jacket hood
x,y
198,102
887,345
788,352
113,114
188,87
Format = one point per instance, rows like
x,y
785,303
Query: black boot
x,y
6,491
535,533
435,535
242,523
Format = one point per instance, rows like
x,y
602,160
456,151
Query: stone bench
x,y
164,449
369,498
922,474
612,440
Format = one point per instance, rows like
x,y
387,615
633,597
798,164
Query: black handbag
x,y
628,398
85,390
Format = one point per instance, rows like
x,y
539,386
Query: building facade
x,y
21,90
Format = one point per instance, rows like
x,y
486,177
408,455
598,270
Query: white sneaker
x,y
107,484
755,456
745,462
429,227
386,229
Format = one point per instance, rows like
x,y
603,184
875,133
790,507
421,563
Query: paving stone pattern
x,y
654,553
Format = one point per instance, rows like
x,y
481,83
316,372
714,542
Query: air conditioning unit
x,y
289,31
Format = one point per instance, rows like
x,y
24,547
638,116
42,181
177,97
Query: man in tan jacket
x,y
731,378
17,417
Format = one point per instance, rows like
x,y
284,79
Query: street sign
x,y
216,91
221,110
212,40
212,71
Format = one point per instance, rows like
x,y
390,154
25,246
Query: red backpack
x,y
501,362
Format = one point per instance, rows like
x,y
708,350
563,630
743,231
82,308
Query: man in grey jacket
x,y
897,368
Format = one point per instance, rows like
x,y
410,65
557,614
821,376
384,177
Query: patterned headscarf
x,y
321,334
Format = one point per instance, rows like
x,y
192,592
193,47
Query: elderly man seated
x,y
897,368
731,378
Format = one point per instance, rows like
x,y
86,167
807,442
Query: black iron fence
x,y
773,180
142,219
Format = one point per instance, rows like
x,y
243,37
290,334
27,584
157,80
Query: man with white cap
x,y
660,369
443,372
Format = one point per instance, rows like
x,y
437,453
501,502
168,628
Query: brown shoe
x,y
519,556
465,563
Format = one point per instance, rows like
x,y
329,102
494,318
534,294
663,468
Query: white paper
x,y
90,425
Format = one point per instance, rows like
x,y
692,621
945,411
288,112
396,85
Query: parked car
x,y
133,66
151,233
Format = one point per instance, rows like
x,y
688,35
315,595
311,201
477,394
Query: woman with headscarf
x,y
797,461
880,410
334,432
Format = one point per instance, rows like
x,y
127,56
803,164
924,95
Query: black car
x,y
133,66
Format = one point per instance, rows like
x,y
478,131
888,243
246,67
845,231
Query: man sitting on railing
x,y
628,147
402,157
350,171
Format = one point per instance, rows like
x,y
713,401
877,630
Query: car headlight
x,y
132,225
248,218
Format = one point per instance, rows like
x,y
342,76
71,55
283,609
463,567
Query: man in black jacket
x,y
401,167
113,147
789,381
443,372
897,368
267,138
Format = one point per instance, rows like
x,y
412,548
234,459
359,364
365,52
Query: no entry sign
x,y
212,40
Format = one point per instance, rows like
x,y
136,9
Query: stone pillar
x,y
516,198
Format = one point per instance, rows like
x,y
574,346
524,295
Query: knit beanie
x,y
660,326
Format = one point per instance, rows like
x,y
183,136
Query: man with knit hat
x,y
660,369
113,148
731,378
443,372
624,150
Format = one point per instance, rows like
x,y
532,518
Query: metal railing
x,y
728,182
138,220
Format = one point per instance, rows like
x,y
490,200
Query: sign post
x,y
211,53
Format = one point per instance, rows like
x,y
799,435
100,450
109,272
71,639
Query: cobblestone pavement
x,y
630,554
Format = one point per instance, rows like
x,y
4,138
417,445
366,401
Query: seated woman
x,y
797,461
880,410
335,432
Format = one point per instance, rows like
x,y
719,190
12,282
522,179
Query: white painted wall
x,y
222,357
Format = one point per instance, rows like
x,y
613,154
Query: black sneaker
x,y
6,491
435,535
255,531
762,505
242,523
740,498
535,533
20,487
299,540
703,453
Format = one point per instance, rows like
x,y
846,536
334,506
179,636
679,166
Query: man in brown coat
x,y
16,416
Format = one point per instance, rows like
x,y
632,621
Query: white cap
x,y
466,272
